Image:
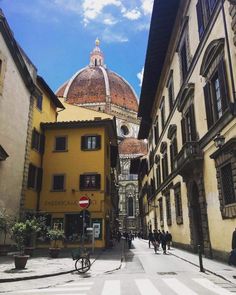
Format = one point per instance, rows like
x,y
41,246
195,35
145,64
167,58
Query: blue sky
x,y
58,35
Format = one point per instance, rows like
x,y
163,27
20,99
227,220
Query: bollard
x,y
200,258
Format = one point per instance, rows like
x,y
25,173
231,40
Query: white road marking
x,y
212,287
145,287
178,287
111,287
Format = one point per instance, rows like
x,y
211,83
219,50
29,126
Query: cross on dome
x,y
96,56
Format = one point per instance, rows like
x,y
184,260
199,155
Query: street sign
x,y
84,202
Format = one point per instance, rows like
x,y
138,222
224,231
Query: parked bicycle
x,y
82,263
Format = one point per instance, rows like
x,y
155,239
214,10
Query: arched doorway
x,y
196,216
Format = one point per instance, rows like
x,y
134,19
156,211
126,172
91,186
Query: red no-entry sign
x,y
84,202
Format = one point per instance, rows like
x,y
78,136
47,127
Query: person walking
x,y
155,240
150,238
168,239
163,241
129,240
232,256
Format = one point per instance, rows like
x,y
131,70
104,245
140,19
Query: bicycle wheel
x,y
82,265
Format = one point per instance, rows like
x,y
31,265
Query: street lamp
x,y
219,140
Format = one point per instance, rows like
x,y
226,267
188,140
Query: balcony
x,y
189,159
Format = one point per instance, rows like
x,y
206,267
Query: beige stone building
x,y
188,109
16,88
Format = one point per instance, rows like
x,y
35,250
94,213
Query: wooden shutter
x,y
39,179
193,125
98,142
183,131
200,18
33,139
208,105
31,176
223,84
81,181
83,143
98,180
42,143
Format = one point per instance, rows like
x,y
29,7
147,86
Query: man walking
x,y
232,256
168,239
163,241
150,238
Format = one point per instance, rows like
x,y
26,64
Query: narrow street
x,y
143,272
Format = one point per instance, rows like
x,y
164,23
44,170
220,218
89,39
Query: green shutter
x,y
223,85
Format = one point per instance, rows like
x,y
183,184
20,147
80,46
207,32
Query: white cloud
x,y
113,37
132,14
140,76
147,6
110,21
93,8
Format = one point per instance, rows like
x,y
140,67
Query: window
x,y
170,86
90,181
38,141
39,102
124,130
227,184
204,10
130,206
158,174
184,60
161,210
58,182
35,176
61,143
188,125
162,108
58,223
178,204
173,151
91,142
165,171
168,209
156,132
3,63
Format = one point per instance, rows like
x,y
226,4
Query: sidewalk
x,y
40,265
217,268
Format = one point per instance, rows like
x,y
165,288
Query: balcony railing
x,y
189,158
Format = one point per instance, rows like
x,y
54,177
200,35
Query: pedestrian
x,y
150,238
168,239
129,240
163,241
232,256
155,240
118,236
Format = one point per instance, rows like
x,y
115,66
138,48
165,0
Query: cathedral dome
x,y
97,87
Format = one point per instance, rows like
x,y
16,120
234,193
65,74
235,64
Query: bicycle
x,y
82,263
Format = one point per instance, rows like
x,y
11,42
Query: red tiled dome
x,y
132,146
97,84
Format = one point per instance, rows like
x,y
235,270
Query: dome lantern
x,y
96,56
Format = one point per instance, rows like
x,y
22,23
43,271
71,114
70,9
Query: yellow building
x,y
44,109
188,113
79,160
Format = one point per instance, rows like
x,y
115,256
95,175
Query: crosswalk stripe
x,y
145,287
111,287
178,287
212,287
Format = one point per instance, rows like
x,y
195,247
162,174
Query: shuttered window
x,y
227,184
161,210
168,209
173,152
61,143
184,60
158,175
35,176
91,142
39,102
58,183
90,181
188,126
216,95
38,141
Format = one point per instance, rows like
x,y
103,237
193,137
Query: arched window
x,y
130,206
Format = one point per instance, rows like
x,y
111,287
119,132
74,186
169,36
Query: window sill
x,y
90,150
57,191
90,189
62,151
229,211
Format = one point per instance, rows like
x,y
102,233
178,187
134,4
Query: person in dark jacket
x,y
163,241
232,256
234,239
150,238
168,239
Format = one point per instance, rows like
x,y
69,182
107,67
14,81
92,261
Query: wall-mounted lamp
x,y
219,140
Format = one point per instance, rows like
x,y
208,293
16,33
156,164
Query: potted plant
x,y
23,232
56,236
33,227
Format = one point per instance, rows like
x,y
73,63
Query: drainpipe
x,y
232,105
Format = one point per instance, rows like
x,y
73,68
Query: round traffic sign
x,y
84,202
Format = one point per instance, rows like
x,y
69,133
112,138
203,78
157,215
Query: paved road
x,y
143,273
